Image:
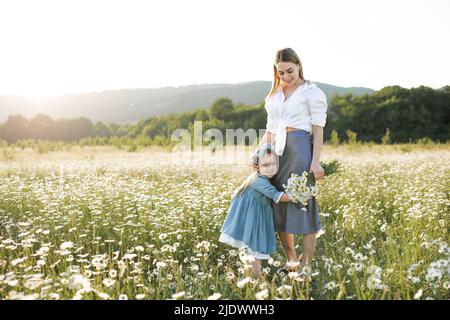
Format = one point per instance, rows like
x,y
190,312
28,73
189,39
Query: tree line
x,y
392,114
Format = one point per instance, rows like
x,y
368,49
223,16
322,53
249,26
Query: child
x,y
249,223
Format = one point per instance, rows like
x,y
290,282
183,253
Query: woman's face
x,y
288,73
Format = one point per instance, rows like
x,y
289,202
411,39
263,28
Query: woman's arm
x,y
316,169
318,108
266,138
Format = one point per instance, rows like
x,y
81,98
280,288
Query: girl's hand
x,y
317,170
285,198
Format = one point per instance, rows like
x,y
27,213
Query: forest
x,y
390,115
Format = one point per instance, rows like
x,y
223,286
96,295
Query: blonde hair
x,y
245,184
284,55
266,148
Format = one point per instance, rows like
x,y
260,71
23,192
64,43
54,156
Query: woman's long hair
x,y
284,55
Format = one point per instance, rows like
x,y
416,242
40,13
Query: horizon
x,y
191,85
164,87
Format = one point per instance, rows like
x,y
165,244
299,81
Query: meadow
x,y
105,223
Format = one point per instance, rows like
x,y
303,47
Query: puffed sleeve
x,y
318,107
266,188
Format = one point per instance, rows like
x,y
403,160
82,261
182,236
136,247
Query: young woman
x,y
296,115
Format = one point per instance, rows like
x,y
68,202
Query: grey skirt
x,y
288,216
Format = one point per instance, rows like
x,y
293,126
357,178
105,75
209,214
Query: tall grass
x,y
103,223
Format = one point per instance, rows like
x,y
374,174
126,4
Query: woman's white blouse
x,y
305,107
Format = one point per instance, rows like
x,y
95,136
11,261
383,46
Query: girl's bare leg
x,y
256,268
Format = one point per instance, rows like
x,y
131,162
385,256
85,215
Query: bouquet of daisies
x,y
302,188
298,190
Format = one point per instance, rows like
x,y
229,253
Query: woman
x,y
296,115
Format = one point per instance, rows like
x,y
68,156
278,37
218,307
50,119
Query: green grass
x,y
145,224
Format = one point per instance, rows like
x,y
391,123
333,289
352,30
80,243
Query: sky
x,y
61,47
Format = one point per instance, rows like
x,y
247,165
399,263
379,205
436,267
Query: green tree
x,y
81,128
102,130
222,109
42,127
15,128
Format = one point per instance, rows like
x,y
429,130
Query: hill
x,y
131,105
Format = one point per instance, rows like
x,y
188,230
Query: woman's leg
x,y
287,240
309,246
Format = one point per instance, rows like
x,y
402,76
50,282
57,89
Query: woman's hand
x,y
317,170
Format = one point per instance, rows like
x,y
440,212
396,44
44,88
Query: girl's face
x,y
267,165
288,73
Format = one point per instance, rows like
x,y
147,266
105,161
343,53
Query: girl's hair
x,y
284,55
266,149
245,184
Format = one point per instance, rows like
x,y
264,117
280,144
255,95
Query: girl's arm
x,y
265,187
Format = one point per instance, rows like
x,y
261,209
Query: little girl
x,y
249,223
